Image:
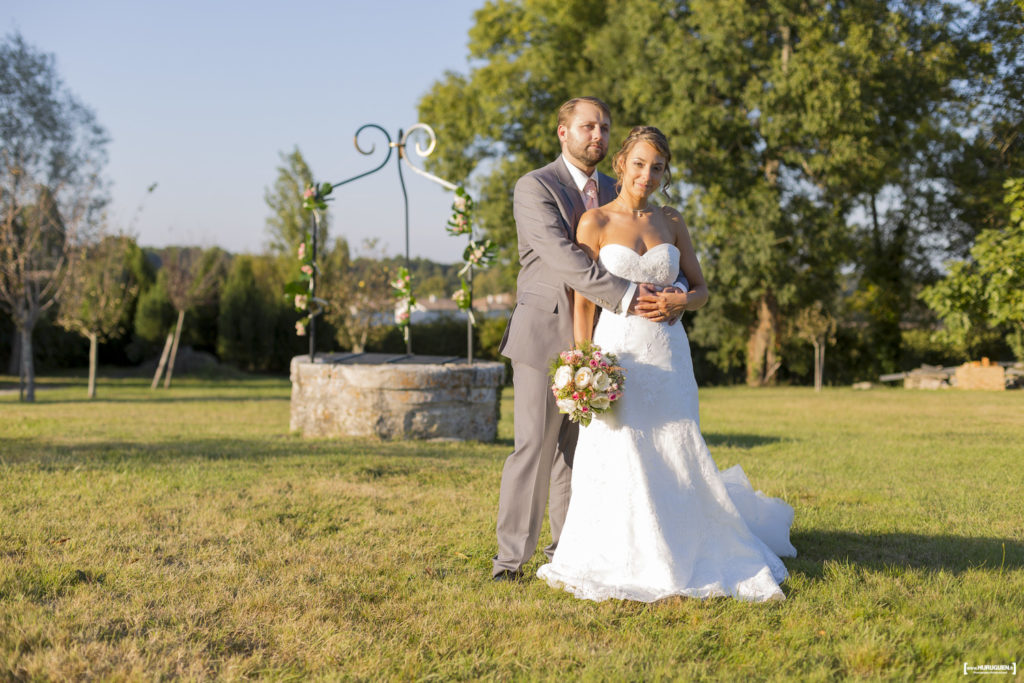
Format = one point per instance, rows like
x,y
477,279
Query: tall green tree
x,y
789,121
288,222
993,109
154,313
498,122
986,290
948,182
51,153
248,315
100,292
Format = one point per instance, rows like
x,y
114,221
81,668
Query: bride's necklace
x,y
640,213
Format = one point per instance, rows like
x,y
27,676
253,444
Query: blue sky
x,y
201,97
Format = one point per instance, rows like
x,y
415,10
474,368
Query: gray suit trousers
x,y
545,441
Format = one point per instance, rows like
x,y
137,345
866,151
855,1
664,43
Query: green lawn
x,y
185,533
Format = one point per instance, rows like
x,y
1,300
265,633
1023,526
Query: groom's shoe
x,y
508,575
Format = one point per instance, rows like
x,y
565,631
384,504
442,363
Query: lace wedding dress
x,y
651,515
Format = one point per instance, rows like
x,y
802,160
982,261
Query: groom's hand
x,y
643,290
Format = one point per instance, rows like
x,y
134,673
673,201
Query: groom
x,y
547,205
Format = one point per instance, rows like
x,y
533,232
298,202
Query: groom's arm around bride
x,y
547,205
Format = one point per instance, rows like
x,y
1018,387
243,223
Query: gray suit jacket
x,y
547,206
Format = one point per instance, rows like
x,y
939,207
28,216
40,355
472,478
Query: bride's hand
x,y
664,306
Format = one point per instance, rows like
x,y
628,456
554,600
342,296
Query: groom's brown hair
x,y
566,111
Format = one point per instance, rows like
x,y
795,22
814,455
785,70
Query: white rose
x,y
601,381
583,378
566,405
563,376
600,402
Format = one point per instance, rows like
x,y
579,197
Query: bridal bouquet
x,y
586,381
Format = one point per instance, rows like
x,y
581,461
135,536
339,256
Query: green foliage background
x,y
833,152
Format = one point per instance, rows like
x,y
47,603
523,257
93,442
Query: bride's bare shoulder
x,y
672,215
676,224
591,226
599,217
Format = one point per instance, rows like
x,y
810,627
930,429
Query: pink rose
x,y
302,250
307,269
309,193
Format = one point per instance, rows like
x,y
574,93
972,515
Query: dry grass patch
x,y
187,534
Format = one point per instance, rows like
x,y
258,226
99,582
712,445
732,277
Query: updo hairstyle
x,y
653,137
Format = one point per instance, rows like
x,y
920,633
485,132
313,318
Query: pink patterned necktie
x,y
590,194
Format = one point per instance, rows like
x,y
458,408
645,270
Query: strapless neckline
x,y
659,265
634,251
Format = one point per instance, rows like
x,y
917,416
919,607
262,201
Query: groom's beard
x,y
591,153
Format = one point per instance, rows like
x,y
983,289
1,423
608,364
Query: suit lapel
x,y
606,189
571,200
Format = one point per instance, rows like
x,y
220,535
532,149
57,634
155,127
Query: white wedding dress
x,y
651,515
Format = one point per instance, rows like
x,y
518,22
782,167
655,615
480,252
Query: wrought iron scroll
x,y
402,145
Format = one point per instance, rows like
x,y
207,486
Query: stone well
x,y
395,396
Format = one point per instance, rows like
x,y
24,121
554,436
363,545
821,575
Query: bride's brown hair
x,y
656,139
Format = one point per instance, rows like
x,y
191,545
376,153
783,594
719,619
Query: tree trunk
x,y
787,46
819,359
14,364
28,368
762,363
174,349
93,343
163,360
360,346
823,346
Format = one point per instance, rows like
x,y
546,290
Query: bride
x,y
651,515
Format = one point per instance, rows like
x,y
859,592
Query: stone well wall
x,y
337,396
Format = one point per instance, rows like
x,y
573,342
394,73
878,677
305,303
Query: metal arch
x,y
403,146
403,140
373,148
